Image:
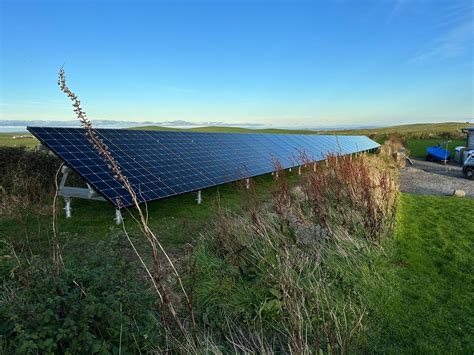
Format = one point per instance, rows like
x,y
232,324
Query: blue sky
x,y
281,63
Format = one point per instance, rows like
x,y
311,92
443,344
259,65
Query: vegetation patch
x,y
417,147
26,177
6,140
98,303
281,277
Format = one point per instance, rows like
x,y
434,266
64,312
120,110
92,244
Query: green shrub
x,y
26,180
27,172
98,304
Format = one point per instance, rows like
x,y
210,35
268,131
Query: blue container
x,y
437,153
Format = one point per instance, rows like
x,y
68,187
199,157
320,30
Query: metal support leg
x,y
247,183
67,207
118,216
314,167
199,197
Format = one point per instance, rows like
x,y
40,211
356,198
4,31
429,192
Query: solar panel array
x,y
160,164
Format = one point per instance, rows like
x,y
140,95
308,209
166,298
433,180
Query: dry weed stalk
x,y
57,255
153,242
353,187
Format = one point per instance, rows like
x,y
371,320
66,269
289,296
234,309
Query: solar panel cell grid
x,y
162,164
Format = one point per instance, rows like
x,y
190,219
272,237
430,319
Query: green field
x,y
6,140
177,220
417,147
434,129
416,130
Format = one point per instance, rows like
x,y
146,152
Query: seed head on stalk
x,y
153,241
93,137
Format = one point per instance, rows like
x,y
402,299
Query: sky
x,y
279,63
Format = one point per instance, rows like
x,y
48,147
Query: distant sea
x,y
22,129
6,129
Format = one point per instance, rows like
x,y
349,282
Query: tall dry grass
x,y
363,197
280,277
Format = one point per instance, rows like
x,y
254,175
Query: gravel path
x,y
429,178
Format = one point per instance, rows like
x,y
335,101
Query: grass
x,y
263,266
434,129
419,128
426,302
6,140
418,147
177,220
420,301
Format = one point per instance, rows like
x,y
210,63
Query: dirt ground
x,y
430,178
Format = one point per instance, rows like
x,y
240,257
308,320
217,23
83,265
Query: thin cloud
x,y
455,42
397,9
456,14
458,26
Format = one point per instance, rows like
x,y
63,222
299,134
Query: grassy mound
x,y
283,277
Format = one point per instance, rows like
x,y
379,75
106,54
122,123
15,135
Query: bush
x,y
97,304
26,177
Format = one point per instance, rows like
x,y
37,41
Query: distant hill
x,y
225,129
418,130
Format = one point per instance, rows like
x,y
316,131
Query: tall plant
x,y
158,252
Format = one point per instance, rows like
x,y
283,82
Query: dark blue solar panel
x,y
160,164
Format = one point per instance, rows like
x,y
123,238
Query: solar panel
x,y
160,164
